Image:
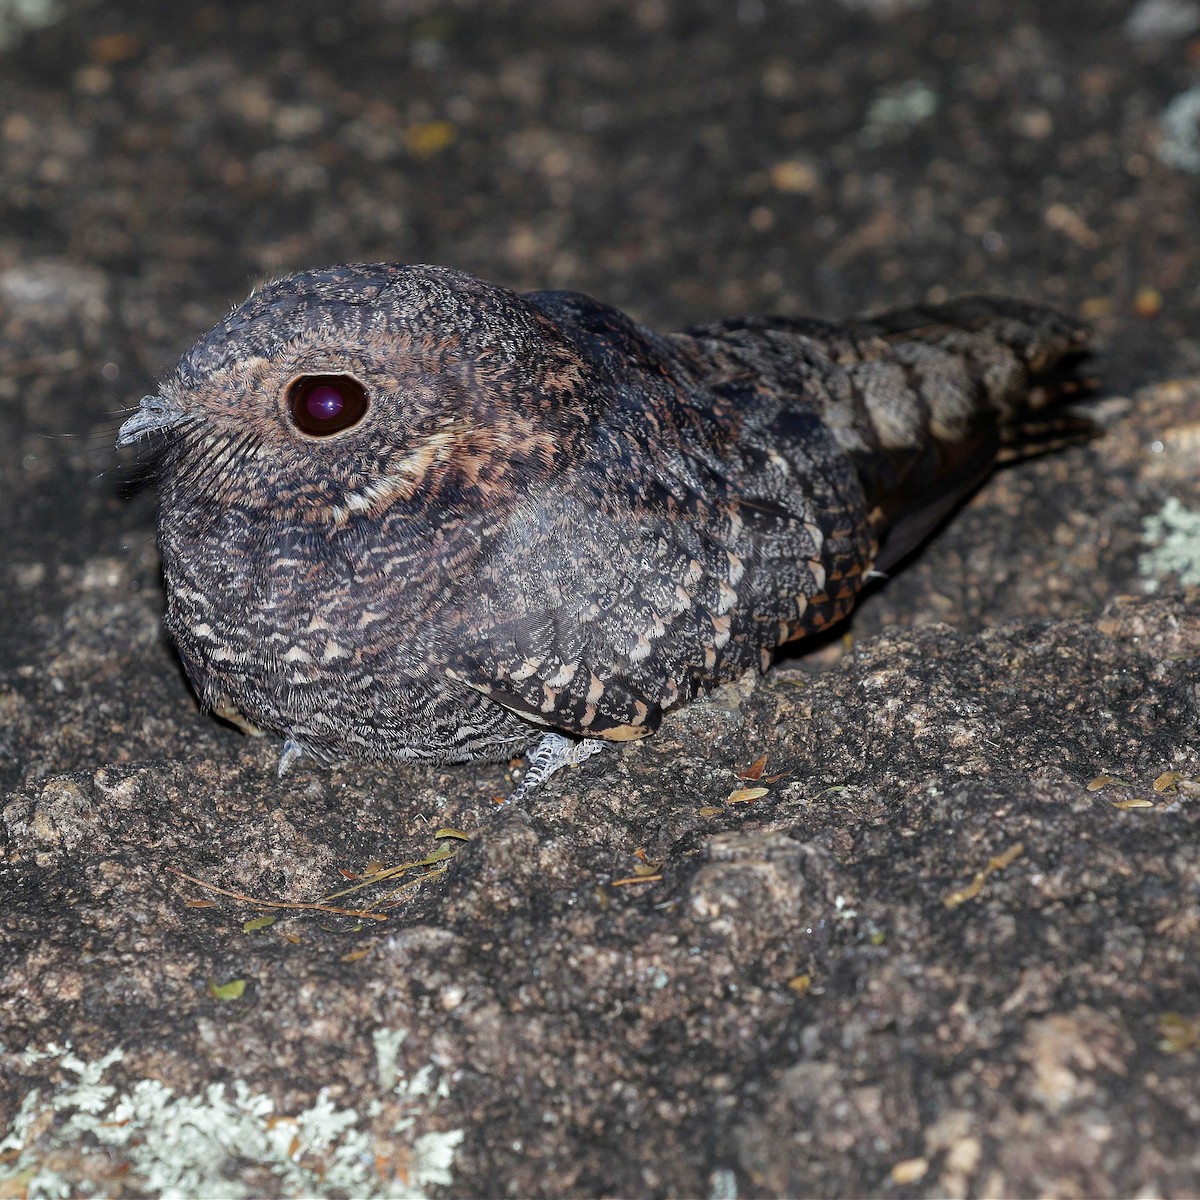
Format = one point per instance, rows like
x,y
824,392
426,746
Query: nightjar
x,y
408,514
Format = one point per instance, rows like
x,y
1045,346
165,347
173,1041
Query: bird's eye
x,y
323,404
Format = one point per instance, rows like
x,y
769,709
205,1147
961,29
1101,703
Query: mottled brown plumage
x,y
409,514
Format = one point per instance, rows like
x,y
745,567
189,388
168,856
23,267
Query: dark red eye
x,y
323,404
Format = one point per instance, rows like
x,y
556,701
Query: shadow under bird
x,y
408,514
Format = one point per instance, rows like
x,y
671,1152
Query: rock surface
x,y
943,942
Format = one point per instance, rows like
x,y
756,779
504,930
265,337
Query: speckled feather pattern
x,y
550,517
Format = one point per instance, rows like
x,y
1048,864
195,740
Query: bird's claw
x,y
291,751
551,754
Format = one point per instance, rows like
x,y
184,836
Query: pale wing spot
x,y
818,573
721,626
295,654
528,667
726,597
594,692
563,675
641,650
333,650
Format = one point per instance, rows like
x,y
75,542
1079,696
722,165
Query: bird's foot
x,y
288,755
551,754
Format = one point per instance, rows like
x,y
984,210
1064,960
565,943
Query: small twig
x,y
392,898
297,904
440,855
997,863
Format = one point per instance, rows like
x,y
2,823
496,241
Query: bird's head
x,y
342,391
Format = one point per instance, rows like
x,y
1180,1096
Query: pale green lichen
x,y
1179,145
722,1185
1174,534
387,1051
896,110
174,1145
18,16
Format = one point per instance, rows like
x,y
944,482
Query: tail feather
x,y
924,401
979,376
1032,438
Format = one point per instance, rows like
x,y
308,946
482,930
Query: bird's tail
x,y
939,394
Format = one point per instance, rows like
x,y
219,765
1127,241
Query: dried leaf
x,y
745,795
1147,303
226,991
114,48
1178,1032
909,1170
428,138
754,771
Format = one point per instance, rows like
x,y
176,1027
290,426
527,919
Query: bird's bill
x,y
154,415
